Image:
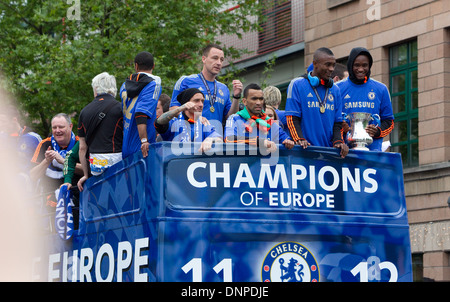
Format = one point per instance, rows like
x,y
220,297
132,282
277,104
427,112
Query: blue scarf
x,y
54,170
63,152
64,216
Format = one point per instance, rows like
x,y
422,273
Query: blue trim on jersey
x,y
302,102
178,127
372,97
222,104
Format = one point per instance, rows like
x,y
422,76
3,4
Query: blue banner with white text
x,y
236,215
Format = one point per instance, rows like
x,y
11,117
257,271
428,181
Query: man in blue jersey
x,y
252,126
184,123
217,96
139,95
314,106
363,94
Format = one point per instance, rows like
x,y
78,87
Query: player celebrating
x,y
314,106
363,94
217,96
184,123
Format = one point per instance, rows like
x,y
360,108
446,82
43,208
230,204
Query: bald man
x,y
314,106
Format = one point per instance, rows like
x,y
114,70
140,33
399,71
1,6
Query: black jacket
x,y
135,83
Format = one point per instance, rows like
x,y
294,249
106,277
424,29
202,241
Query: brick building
x,y
410,43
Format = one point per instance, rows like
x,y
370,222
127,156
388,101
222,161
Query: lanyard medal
x,y
321,102
212,97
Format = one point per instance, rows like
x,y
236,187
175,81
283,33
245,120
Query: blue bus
x,y
236,214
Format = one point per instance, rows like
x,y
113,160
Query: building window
x,y
277,27
417,267
404,94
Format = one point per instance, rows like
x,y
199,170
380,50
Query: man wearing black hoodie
x,y
361,93
140,94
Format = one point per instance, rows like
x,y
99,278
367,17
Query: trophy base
x,y
360,148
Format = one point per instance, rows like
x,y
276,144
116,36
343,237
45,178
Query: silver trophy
x,y
357,137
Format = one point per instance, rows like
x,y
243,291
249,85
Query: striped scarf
x,y
55,169
263,122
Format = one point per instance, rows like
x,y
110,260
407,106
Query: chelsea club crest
x,y
290,262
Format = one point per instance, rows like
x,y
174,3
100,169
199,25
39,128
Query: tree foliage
x,y
51,50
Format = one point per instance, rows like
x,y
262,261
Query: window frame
x,y
410,113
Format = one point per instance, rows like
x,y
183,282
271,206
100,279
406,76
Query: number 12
x,y
373,267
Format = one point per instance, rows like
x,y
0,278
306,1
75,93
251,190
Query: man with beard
x,y
184,123
252,126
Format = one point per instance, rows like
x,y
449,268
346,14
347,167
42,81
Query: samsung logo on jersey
x,y
327,178
350,105
312,104
218,99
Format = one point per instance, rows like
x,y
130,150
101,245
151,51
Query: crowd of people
x,y
202,109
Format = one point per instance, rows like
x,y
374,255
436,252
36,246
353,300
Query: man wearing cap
x,y
184,123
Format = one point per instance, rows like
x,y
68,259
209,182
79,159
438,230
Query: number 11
x,y
195,265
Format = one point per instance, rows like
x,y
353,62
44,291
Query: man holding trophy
x,y
366,104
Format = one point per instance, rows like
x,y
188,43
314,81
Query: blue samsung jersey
x,y
185,131
146,103
302,102
235,126
222,104
371,97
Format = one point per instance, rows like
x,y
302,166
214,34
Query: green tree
x,y
52,49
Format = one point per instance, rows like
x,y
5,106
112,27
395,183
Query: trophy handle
x,y
345,118
376,119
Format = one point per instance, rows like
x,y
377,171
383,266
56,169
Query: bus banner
x,y
306,215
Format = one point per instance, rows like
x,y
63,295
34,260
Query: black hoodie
x,y
386,124
135,83
351,59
